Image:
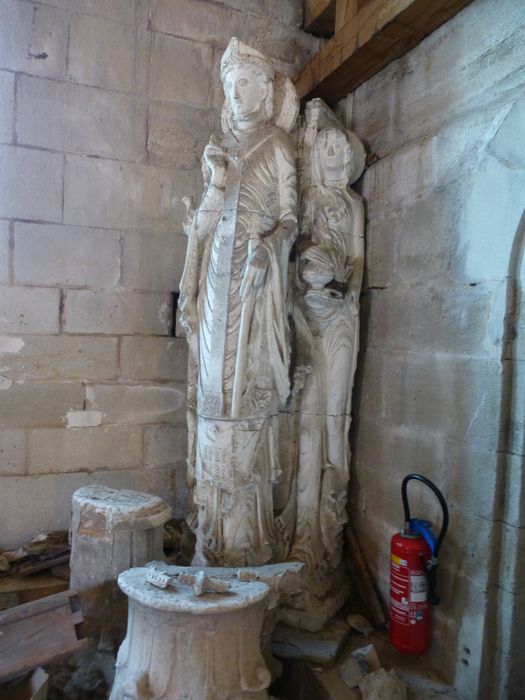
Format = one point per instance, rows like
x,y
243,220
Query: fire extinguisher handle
x,y
439,496
431,577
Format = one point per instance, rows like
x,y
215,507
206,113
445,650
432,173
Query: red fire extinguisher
x,y
413,575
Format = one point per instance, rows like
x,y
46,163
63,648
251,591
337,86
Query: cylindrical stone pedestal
x,y
180,646
112,530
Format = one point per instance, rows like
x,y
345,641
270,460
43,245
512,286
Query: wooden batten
x,y
379,32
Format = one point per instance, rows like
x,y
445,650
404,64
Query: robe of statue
x,y
240,348
333,218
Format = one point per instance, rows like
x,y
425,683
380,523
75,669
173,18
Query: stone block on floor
x,y
320,647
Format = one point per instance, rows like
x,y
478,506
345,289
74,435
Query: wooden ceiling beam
x,y
319,17
377,33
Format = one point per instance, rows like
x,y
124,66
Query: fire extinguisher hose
x,y
421,526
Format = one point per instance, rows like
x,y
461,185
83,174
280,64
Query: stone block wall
x,y
444,201
105,108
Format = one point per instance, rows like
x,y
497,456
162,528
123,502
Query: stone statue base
x,y
182,646
319,600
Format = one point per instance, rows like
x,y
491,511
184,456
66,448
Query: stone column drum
x,y
112,530
185,647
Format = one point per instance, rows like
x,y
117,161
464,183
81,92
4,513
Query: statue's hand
x,y
255,271
215,158
189,203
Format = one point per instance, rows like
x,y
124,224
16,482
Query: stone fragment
x,y
360,623
383,685
319,647
360,662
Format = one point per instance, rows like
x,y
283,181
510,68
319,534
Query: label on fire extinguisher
x,y
418,588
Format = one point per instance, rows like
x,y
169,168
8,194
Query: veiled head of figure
x,y
338,158
247,77
333,155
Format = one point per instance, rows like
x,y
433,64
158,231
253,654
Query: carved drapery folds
x,y
273,343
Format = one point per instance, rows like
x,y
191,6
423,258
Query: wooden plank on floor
x,y
378,33
37,633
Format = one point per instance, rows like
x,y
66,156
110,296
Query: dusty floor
x,y
311,681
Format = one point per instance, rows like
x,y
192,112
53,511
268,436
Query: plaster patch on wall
x,y
5,383
84,419
10,345
164,312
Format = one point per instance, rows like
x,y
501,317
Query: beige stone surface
x,y
177,134
79,119
36,190
116,312
127,195
154,359
117,10
35,404
4,252
13,452
33,38
7,104
84,449
165,445
32,495
58,357
180,70
66,256
122,403
101,53
152,260
25,310
216,24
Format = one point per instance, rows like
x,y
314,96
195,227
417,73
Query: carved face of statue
x,y
247,89
334,155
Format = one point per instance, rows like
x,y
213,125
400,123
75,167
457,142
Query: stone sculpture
x,y
234,310
329,275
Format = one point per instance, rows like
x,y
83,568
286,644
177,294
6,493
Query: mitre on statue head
x,y
239,53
